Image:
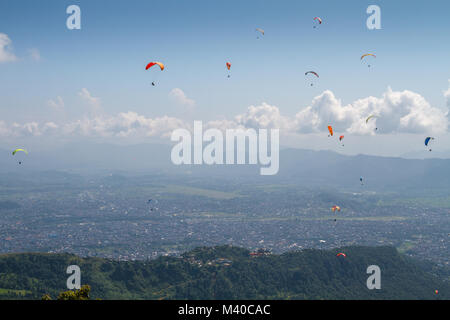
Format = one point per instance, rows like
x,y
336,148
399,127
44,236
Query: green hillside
x,y
226,273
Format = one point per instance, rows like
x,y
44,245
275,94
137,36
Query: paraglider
x,y
330,130
436,291
370,117
228,67
367,55
312,72
318,20
341,254
21,150
334,208
261,31
427,141
151,64
155,63
341,138
361,180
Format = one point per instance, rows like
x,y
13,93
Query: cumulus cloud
x,y
180,97
6,53
396,111
263,116
447,94
27,129
57,104
124,124
92,101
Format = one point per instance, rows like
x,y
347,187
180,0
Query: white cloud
x,y
34,54
180,97
263,116
396,111
6,53
4,130
57,104
93,102
447,94
124,124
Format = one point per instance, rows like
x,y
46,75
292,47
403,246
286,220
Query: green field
x,y
12,291
192,191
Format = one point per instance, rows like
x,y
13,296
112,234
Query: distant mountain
x,y
297,166
226,273
425,154
90,158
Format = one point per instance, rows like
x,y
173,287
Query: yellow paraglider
x,y
334,208
370,117
366,55
17,150
21,150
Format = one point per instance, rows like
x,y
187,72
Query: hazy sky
x,y
59,85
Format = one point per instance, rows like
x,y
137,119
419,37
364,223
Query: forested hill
x,y
226,273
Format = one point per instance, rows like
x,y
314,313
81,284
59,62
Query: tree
x,y
81,294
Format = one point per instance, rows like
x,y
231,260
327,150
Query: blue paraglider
x,y
427,141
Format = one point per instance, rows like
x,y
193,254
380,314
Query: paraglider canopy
x,y
341,254
427,140
260,30
228,65
341,137
368,54
17,150
318,20
370,117
151,64
334,208
313,72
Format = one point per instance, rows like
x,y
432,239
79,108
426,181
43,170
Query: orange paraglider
x,y
228,67
330,129
151,64
155,63
341,254
334,208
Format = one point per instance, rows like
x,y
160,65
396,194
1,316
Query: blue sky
x,y
195,38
